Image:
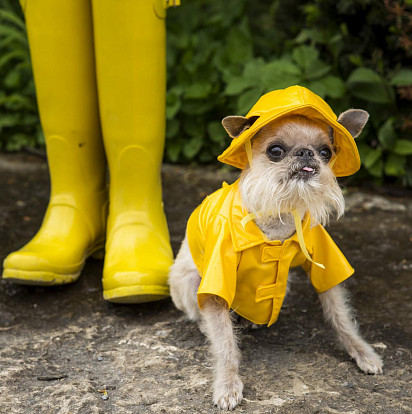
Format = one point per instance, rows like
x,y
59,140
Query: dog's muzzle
x,y
305,171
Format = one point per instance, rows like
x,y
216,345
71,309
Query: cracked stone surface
x,y
65,350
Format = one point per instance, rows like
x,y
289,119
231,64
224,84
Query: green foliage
x,y
213,71
366,84
402,78
19,122
223,55
302,67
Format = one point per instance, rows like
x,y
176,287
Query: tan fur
x,y
184,282
268,190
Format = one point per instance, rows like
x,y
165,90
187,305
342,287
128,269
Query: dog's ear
x,y
236,124
354,120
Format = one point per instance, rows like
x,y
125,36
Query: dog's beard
x,y
268,190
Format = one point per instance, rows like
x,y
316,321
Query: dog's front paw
x,y
369,362
228,396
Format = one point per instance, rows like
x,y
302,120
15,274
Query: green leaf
x,y
282,66
18,102
356,60
172,128
402,78
200,90
12,80
371,157
280,74
376,170
205,157
238,46
11,17
317,69
18,140
7,57
247,100
193,127
197,106
172,104
304,56
253,68
173,150
9,120
317,87
331,86
12,37
366,84
387,134
238,84
216,132
363,151
30,120
313,35
192,147
40,135
335,87
403,147
15,32
395,165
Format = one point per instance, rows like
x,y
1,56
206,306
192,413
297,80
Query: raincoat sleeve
x,y
220,263
325,251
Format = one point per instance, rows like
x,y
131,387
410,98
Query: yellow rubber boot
x,y
61,41
131,75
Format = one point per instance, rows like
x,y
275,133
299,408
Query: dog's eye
x,y
275,152
325,153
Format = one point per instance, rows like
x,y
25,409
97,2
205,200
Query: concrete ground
x,y
64,350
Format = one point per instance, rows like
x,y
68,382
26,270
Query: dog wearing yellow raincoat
x,y
242,240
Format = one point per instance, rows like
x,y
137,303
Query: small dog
x,y
289,170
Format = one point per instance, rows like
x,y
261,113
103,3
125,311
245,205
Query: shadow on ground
x,y
148,359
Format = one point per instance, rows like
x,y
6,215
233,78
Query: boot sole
x,y
35,278
42,278
136,294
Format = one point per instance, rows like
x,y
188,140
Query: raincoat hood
x,y
296,100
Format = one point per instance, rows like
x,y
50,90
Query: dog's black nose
x,y
305,153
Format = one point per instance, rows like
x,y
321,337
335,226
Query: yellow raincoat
x,y
235,260
240,265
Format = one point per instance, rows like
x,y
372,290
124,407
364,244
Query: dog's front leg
x,y
337,311
217,324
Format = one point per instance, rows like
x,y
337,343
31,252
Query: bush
x,y
19,121
223,55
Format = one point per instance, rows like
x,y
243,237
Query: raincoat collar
x,y
250,235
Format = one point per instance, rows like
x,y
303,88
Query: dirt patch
x,y
65,350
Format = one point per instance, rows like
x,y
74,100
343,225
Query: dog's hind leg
x,y
217,324
338,312
184,282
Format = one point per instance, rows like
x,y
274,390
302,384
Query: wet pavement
x,y
65,350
